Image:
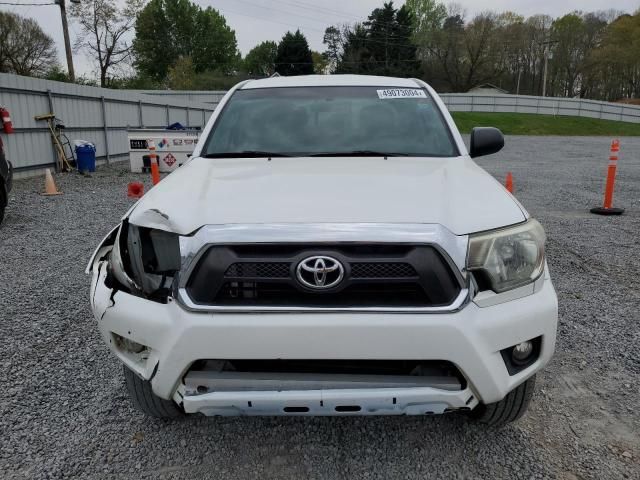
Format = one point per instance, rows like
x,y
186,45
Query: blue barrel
x,y
86,155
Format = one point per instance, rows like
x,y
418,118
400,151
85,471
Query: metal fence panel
x,y
102,116
99,115
195,96
466,102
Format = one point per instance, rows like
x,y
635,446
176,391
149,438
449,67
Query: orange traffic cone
x,y
607,207
155,172
49,185
509,183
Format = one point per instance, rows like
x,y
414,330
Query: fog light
x,y
128,344
522,352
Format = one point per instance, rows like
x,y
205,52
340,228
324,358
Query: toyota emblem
x,y
320,272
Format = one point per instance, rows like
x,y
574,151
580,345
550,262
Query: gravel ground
x,y
65,413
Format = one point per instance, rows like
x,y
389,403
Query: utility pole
x,y
65,32
547,54
544,74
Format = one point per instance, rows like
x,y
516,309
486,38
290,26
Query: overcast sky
x,y
257,20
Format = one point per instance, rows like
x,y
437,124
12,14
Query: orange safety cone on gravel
x,y
135,190
607,207
49,185
509,182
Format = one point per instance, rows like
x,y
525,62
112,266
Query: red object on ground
x,y
135,190
509,182
607,207
155,172
6,120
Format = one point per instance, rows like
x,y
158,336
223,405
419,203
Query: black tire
x,y
148,402
509,409
3,202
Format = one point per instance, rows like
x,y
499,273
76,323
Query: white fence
x,y
99,115
102,116
194,96
466,102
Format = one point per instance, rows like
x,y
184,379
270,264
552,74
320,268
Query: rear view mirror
x,y
485,141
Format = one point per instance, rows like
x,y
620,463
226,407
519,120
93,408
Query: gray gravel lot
x,y
65,413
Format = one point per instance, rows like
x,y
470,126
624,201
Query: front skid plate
x,y
385,401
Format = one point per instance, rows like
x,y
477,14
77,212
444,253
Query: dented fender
x,y
103,303
104,247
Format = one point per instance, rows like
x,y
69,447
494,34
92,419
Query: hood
x,y
453,192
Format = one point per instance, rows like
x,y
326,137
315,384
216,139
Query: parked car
x,y
6,180
331,248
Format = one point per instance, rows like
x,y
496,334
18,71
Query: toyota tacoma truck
x,y
331,248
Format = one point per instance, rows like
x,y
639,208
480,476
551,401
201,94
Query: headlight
x,y
144,260
509,258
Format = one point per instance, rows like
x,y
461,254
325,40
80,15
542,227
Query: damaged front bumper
x,y
162,341
382,401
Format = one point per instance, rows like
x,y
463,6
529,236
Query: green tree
x,y
294,55
104,28
355,56
333,40
380,46
167,30
568,53
618,59
320,63
428,17
261,60
25,49
181,75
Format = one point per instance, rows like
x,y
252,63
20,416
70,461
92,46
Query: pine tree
x,y
294,55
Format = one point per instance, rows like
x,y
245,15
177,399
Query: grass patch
x,y
532,124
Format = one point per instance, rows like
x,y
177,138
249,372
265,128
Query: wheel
x,y
509,409
3,203
148,402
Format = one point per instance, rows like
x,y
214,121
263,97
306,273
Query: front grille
x,y
374,276
273,294
382,270
258,270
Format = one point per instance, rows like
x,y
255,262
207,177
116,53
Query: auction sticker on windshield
x,y
402,93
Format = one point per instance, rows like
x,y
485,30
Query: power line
x,y
326,11
313,8
26,4
282,11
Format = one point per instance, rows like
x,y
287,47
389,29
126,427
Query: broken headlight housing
x,y
145,260
508,258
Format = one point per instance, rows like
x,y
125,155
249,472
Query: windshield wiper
x,y
245,154
359,153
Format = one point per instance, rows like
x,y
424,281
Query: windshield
x,y
304,121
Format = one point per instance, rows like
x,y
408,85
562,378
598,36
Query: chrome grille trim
x,y
452,247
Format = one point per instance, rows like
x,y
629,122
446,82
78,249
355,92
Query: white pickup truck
x,y
331,248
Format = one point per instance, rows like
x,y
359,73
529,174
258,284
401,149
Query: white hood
x,y
453,192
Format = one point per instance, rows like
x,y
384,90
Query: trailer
x,y
172,148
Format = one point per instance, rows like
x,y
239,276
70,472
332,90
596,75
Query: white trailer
x,y
173,148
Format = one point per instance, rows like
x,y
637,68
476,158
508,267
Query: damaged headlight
x,y
145,260
508,258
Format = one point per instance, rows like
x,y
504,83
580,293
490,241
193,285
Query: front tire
x,y
3,202
509,409
146,401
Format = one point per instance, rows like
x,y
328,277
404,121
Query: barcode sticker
x,y
401,93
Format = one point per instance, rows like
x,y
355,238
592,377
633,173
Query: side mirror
x,y
485,141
